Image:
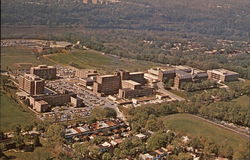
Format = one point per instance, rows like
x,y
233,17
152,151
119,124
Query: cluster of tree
x,y
160,15
99,113
21,141
227,111
190,86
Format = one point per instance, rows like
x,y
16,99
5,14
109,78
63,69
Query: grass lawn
x,y
191,125
94,59
11,114
40,153
244,101
11,56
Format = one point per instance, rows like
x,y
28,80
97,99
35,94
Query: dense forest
x,y
209,17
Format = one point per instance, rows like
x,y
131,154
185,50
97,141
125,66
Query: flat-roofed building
x,y
41,106
137,77
223,75
107,84
132,93
31,84
44,71
167,74
199,75
86,73
182,76
130,84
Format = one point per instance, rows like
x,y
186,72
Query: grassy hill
x,y
12,114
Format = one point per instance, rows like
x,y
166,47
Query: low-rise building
x,y
222,75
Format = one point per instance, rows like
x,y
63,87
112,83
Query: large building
x,y
223,75
107,84
110,84
31,84
44,71
180,77
85,73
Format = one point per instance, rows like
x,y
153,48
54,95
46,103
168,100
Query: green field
x,y
12,56
97,60
193,126
244,101
12,114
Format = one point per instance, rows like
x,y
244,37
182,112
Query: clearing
x,y
193,126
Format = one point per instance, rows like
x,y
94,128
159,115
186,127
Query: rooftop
x,y
131,82
223,71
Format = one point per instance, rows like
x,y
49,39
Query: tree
x,y
106,156
184,156
242,152
17,128
226,151
158,140
55,134
36,141
19,140
81,149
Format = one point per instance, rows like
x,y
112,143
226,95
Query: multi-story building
x,y
44,71
137,77
31,84
110,84
222,75
180,77
107,84
132,93
85,73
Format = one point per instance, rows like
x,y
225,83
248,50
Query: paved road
x,y
163,90
244,135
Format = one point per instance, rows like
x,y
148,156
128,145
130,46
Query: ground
x,y
12,114
244,101
94,59
11,57
191,125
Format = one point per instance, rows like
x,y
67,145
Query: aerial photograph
x,y
125,80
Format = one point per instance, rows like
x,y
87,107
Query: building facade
x,y
222,75
31,84
44,71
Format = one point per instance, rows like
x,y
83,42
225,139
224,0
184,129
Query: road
x,y
244,135
163,90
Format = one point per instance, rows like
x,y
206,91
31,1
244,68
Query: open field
x,y
193,126
40,153
12,114
97,60
244,101
12,56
